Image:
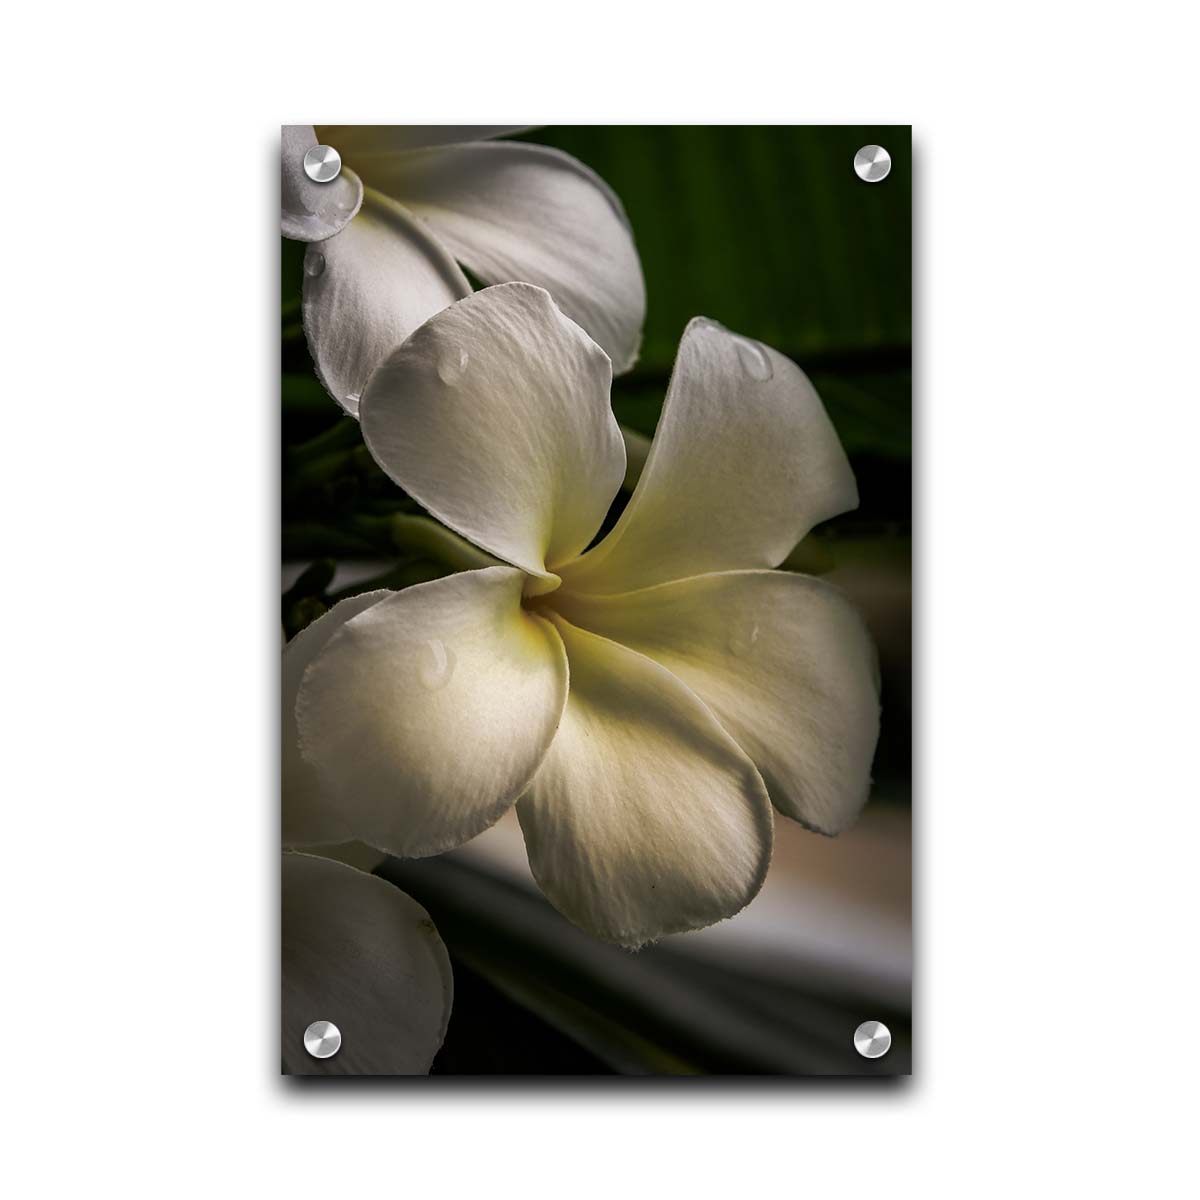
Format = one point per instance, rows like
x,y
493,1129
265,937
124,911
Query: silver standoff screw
x,y
872,1039
322,164
322,1039
872,164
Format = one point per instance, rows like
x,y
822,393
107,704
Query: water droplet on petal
x,y
435,665
314,263
754,359
451,368
742,639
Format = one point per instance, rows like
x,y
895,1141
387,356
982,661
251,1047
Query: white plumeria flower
x,y
642,702
360,953
386,255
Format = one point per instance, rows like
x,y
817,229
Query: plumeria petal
x,y
511,211
785,664
361,141
495,416
360,953
367,289
427,714
312,212
308,818
743,464
645,818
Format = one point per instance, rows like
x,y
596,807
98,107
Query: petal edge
x,y
744,462
784,662
645,818
427,715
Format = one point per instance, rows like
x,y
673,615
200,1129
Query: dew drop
x,y
742,639
435,665
314,263
452,367
754,359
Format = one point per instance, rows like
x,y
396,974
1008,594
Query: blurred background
x,y
768,230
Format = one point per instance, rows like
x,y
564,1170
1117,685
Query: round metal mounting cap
x,y
322,1039
322,164
872,1039
872,164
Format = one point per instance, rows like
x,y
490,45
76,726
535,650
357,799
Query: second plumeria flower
x,y
385,256
358,953
643,702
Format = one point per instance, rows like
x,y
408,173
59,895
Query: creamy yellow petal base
x,y
783,661
645,818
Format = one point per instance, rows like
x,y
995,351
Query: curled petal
x,y
360,953
312,212
309,816
743,464
511,211
495,416
785,664
426,715
645,818
367,289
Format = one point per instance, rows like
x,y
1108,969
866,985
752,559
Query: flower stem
x,y
421,535
637,448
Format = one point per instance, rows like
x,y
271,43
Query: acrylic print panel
x,y
596,600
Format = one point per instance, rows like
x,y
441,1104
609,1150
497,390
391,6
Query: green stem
x,y
421,535
637,448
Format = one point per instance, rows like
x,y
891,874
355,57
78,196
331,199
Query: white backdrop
x,y
1056,315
